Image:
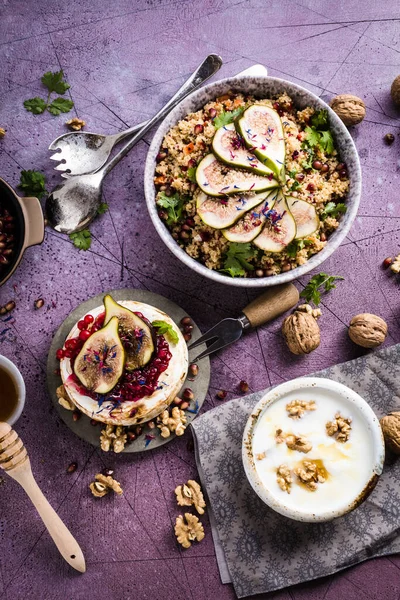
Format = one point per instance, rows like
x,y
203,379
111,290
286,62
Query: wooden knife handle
x,y
271,304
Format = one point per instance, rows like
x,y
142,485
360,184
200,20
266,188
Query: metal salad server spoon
x,y
82,152
73,204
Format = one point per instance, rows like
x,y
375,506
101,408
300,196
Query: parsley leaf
x,y
296,245
307,164
35,105
54,82
333,210
312,291
312,136
319,120
81,239
33,183
319,134
295,185
60,105
103,208
326,141
227,117
292,174
236,259
191,174
173,205
164,327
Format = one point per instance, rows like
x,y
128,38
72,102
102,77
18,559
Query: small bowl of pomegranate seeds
x,y
21,226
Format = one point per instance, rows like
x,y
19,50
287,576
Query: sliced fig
x,y
229,147
261,128
279,229
100,363
215,178
135,334
251,224
305,215
223,212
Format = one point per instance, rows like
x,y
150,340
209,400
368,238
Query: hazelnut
x,y
367,330
301,332
395,90
350,109
391,431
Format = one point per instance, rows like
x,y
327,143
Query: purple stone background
x,y
123,60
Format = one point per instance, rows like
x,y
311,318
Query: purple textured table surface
x,y
123,60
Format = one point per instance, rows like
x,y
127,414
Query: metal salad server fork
x,y
81,152
73,204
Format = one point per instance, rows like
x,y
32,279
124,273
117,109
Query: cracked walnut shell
x,y
190,494
391,431
367,330
350,109
103,485
187,532
395,90
301,332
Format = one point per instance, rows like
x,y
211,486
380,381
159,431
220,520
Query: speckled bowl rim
x,y
273,396
334,240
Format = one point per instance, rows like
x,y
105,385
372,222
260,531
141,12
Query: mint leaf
x,y
103,208
60,105
191,174
333,210
312,291
227,117
33,183
81,239
236,259
55,82
164,327
35,105
173,206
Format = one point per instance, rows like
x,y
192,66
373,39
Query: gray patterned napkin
x,y
258,549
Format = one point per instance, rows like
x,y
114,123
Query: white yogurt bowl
x,y
353,467
19,383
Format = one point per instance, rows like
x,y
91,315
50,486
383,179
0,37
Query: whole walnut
x,y
391,431
367,330
350,109
301,332
395,90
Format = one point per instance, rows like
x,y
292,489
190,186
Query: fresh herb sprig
x,y
173,206
81,239
317,284
103,208
296,245
165,328
333,210
33,183
191,174
227,117
318,133
55,83
236,259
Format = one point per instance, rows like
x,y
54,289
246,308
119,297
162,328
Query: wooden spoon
x,y
14,459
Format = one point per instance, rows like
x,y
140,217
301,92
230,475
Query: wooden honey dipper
x,y
15,461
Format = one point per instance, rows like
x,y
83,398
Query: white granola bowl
x,y
314,388
262,87
146,408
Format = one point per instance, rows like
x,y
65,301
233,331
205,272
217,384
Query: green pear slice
x,y
229,147
261,128
100,363
251,224
279,229
136,335
215,178
220,213
305,215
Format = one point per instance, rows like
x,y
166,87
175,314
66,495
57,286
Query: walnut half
x,y
310,475
188,529
284,478
113,437
298,442
103,484
297,408
190,494
339,427
174,423
63,398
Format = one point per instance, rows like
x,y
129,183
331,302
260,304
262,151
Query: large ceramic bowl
x,y
262,87
352,466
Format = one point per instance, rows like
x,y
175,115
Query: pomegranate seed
x,y
340,167
189,221
186,321
131,436
295,154
108,472
39,303
198,129
177,401
300,176
71,343
185,405
387,262
84,335
389,139
93,422
188,328
161,156
192,163
322,237
221,395
82,325
187,337
212,112
138,430
151,425
100,319
244,386
60,354
72,467
343,174
188,394
68,354
193,369
76,415
88,319
311,187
